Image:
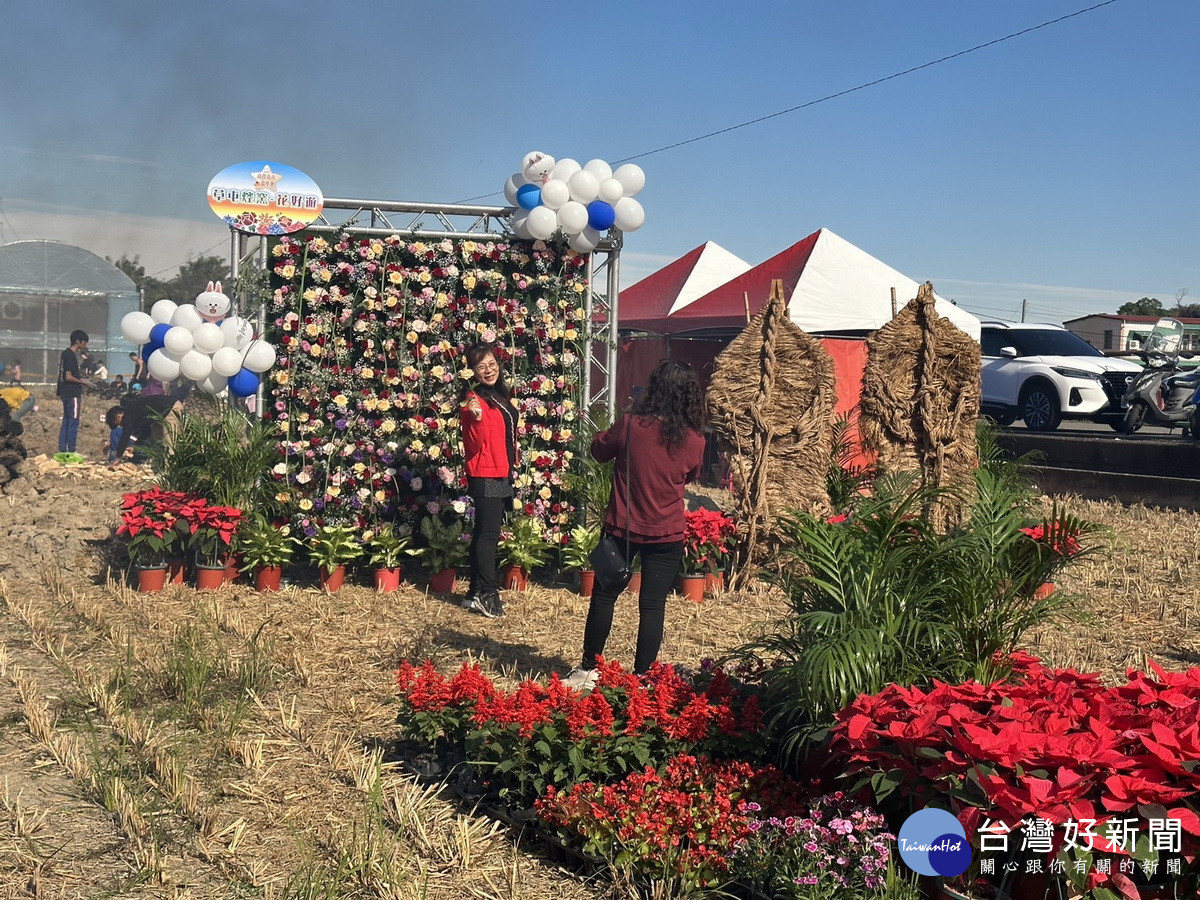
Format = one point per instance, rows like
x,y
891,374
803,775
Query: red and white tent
x,y
831,286
646,305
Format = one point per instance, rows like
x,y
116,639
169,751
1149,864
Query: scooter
x,y
1162,393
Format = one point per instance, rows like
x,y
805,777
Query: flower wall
x,y
371,335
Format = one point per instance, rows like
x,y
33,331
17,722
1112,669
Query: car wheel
x,y
1134,417
1039,408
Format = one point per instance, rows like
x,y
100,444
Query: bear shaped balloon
x,y
211,303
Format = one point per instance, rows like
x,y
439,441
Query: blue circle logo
x,y
932,842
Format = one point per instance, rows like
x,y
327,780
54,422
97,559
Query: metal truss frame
x,y
463,222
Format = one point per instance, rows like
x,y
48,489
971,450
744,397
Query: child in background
x,y
113,419
16,373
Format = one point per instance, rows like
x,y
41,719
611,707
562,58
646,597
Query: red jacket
x,y
656,490
484,450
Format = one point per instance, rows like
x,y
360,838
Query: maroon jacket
x,y
656,489
484,450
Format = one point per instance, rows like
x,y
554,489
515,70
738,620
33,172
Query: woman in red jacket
x,y
489,430
662,443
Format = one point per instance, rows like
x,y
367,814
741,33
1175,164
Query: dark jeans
x,y
660,565
68,433
489,514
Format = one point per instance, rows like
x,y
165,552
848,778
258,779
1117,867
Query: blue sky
x,y
1060,167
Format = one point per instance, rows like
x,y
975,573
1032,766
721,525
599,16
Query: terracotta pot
x,y
388,580
515,578
149,580
177,571
443,582
714,582
1044,590
209,578
692,587
635,583
587,581
233,566
333,579
266,578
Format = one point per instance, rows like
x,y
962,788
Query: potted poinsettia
x,y
265,550
148,520
209,530
707,543
387,546
331,548
577,553
444,551
523,547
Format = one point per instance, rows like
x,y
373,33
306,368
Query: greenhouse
x,y
47,290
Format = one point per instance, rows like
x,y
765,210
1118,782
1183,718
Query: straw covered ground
x,y
232,744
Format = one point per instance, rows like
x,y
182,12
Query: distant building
x,y
47,290
1113,333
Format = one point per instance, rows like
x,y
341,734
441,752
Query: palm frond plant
x,y
849,477
590,482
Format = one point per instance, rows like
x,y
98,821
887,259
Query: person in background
x,y
139,369
662,442
119,386
143,420
113,419
489,429
15,374
70,390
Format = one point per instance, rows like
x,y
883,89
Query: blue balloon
x,y
529,196
243,383
158,333
601,215
147,349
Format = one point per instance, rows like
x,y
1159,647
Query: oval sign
x,y
265,198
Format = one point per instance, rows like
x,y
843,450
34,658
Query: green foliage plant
x,y
445,543
524,544
333,546
848,478
262,544
387,546
576,553
590,482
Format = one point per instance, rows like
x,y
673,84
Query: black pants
x,y
660,565
489,514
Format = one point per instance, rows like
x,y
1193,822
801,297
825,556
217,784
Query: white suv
x,y
1042,373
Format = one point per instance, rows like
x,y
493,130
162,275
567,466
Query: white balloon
x,y
541,223
599,168
583,185
186,316
585,241
162,311
630,214
555,193
572,217
510,187
135,327
177,341
610,191
208,338
519,223
195,365
213,384
227,361
564,169
163,366
236,332
632,178
259,357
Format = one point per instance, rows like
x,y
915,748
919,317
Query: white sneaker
x,y
582,680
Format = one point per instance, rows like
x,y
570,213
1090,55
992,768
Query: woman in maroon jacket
x,y
489,430
661,441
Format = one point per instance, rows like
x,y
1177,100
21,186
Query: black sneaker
x,y
491,605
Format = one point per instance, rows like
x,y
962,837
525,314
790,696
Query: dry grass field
x,y
226,744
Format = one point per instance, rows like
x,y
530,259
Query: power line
x,y
188,260
860,87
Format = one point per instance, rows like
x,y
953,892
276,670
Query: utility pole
x,y
1023,304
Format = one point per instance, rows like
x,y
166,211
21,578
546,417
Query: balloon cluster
x,y
580,201
202,342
